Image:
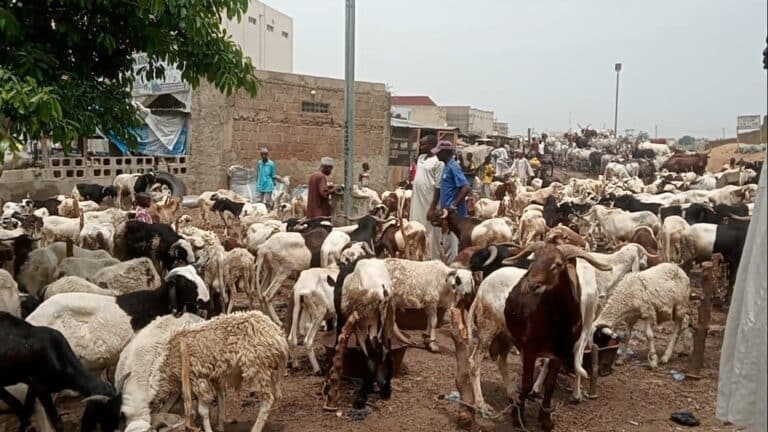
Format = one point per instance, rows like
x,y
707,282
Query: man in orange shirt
x,y
319,192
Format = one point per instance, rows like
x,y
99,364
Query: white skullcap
x,y
326,161
264,150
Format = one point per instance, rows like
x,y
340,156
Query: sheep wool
x,y
9,294
128,276
245,348
73,284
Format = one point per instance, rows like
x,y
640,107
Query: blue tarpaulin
x,y
159,136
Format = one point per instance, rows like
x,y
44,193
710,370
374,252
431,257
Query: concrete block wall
x,y
227,131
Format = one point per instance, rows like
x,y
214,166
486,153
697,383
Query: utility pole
x,y
616,67
349,105
655,131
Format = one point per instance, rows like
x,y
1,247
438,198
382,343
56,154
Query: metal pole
x,y
616,107
349,106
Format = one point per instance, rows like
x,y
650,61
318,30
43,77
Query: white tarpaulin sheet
x,y
741,393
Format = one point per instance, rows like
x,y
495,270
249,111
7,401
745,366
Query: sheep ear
x,y
330,281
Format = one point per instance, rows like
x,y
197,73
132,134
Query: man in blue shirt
x,y
266,180
454,188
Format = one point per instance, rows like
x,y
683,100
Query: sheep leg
x,y
50,409
432,318
205,413
221,398
623,346
501,363
275,284
545,413
529,366
266,399
680,325
476,350
653,358
309,341
540,378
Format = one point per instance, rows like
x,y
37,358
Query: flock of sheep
x,y
126,296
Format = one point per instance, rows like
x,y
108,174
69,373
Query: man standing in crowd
x,y
454,188
521,168
266,180
487,171
319,191
426,192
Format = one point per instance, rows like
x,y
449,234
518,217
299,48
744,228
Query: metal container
x,y
354,359
606,356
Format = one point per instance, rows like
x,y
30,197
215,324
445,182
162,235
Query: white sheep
x,y
656,295
82,267
128,276
242,349
73,284
239,274
486,323
672,238
631,257
39,269
137,365
95,236
427,285
59,228
9,294
331,247
68,209
312,303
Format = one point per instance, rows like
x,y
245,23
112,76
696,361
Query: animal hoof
x,y
433,347
576,399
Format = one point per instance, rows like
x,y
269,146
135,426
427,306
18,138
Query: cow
x,y
684,163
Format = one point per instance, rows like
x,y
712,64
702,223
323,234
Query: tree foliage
x,y
66,66
687,140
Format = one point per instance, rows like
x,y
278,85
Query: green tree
x,y
687,140
66,66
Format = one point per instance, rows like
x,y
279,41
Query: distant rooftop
x,y
413,101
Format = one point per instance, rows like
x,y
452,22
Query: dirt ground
x,y
632,398
720,156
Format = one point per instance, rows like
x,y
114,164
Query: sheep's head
x,y
603,335
462,284
549,264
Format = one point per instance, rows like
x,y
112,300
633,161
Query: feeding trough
x,y
354,359
606,356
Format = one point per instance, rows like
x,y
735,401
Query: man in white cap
x,y
425,198
318,190
266,179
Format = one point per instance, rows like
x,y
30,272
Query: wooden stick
x,y
595,355
702,327
186,386
459,335
334,380
70,248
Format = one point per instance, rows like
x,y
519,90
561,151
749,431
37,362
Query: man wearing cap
x,y
319,191
425,198
454,188
266,180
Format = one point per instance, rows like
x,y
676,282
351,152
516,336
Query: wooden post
x,y
595,355
460,337
70,248
334,380
186,386
702,327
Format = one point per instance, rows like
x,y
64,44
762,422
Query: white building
x,y
265,35
471,121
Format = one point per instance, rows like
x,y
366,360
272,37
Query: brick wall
x,y
226,131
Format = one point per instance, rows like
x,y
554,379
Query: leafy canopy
x,y
66,66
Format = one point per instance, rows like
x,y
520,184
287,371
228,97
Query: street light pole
x,y
349,105
617,67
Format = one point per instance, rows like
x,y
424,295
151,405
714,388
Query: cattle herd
x,y
97,303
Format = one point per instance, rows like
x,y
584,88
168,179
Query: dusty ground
x,y
632,398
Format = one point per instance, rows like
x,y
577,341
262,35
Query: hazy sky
x,y
690,66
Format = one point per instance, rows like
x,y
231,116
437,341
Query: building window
x,y
285,34
270,27
251,20
315,107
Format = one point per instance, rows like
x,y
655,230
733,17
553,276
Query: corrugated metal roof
x,y
403,123
413,100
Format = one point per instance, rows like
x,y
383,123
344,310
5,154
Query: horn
x,y
121,383
444,214
740,218
95,398
494,252
575,252
523,254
